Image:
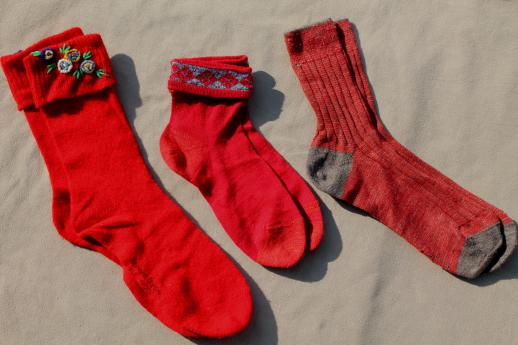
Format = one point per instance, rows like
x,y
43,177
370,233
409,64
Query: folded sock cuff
x,y
219,77
81,66
14,68
312,42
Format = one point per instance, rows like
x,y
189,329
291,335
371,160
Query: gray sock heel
x,y
329,170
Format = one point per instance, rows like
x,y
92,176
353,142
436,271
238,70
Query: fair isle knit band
x,y
207,77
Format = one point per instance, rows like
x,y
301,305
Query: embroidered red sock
x,y
171,267
301,193
15,71
205,143
439,183
349,160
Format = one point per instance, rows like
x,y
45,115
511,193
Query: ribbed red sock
x,y
205,143
440,184
109,199
349,160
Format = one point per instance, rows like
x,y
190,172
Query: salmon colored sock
x,y
300,191
438,182
349,160
109,201
205,143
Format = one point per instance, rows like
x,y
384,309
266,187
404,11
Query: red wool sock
x,y
301,193
205,143
440,184
109,202
15,72
349,159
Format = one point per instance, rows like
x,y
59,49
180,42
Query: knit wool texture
x,y
105,199
351,159
206,142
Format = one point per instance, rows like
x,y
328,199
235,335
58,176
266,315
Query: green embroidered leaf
x,y
36,53
64,49
51,67
100,73
87,55
78,73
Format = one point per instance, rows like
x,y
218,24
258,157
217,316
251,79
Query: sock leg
x,y
349,160
115,202
299,190
439,182
205,143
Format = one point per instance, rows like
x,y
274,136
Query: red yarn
x,y
378,182
105,198
205,142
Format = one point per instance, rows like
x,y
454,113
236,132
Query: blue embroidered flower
x,y
73,55
64,66
87,66
47,55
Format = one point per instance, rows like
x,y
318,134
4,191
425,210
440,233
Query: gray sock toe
x,y
478,252
510,233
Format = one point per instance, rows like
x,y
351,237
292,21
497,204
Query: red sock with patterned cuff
x,y
171,267
350,161
205,143
300,191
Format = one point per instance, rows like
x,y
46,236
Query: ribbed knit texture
x,y
105,198
466,202
370,177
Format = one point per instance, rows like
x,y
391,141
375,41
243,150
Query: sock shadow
x,y
263,327
509,271
128,90
266,103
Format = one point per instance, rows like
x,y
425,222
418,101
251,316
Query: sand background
x,y
445,76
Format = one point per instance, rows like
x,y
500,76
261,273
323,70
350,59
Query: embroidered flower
x,y
64,66
87,66
66,63
47,55
73,55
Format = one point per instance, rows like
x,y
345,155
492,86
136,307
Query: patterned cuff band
x,y
224,77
